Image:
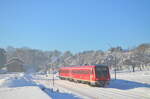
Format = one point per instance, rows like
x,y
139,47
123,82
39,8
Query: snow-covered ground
x,y
128,85
131,80
22,86
17,86
28,92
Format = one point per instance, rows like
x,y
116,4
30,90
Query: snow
x,y
28,92
131,80
54,91
61,94
18,81
129,85
126,84
139,76
17,86
21,86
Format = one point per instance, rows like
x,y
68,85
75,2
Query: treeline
x,y
116,57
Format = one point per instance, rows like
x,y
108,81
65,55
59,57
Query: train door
x,y
91,75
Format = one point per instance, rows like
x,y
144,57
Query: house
x,y
15,65
3,58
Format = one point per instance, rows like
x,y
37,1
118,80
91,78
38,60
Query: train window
x,y
64,71
80,71
101,71
83,72
86,71
74,71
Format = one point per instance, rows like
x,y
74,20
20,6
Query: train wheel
x,y
61,78
78,81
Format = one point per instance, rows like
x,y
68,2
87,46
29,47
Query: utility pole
x,y
115,67
53,73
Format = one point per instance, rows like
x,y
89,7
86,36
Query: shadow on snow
x,y
126,84
58,95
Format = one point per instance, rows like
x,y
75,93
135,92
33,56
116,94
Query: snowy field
x,y
17,86
128,85
23,86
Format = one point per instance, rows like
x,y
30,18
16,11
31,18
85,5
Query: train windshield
x,y
101,71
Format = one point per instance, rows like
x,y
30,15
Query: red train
x,y
97,75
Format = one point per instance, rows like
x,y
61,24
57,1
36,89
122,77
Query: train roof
x,y
100,65
86,66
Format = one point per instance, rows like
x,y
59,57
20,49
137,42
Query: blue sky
x,y
74,25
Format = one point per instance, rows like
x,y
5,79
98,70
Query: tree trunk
x,y
141,67
133,68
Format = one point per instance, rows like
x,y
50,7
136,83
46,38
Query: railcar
x,y
97,75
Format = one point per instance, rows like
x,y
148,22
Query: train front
x,y
102,75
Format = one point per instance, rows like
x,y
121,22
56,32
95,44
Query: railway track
x,y
107,93
96,92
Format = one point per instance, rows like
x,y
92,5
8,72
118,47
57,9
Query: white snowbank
x,y
23,86
30,92
20,86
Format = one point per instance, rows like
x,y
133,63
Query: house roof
x,y
14,60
